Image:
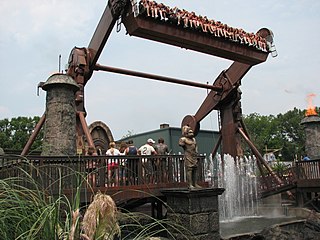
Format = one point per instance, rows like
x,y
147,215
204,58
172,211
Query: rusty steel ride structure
x,y
224,94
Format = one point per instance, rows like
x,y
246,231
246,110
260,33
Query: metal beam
x,y
108,19
230,79
34,135
259,156
86,131
99,67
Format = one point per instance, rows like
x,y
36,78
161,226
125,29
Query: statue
x,y
189,145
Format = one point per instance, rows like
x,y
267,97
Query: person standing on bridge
x,y
162,165
189,145
132,163
147,163
306,158
91,167
113,164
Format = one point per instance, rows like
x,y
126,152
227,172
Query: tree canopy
x,y
282,132
14,133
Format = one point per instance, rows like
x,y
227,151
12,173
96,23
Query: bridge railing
x,y
269,182
308,169
302,170
62,172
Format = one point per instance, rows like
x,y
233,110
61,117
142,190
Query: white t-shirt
x,y
113,152
112,162
146,149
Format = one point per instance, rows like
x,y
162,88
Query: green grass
x,y
28,212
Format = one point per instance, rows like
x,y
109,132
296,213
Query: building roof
x,y
206,139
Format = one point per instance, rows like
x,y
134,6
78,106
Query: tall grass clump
x,y
100,219
27,212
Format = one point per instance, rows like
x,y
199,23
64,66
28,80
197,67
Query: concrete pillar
x,y
60,124
194,212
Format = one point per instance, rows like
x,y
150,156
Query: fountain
x,y
242,214
238,178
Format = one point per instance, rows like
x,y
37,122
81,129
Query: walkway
x,y
124,179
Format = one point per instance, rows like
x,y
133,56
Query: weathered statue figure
x,y
189,145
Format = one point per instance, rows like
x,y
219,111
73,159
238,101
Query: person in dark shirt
x,y
162,165
132,164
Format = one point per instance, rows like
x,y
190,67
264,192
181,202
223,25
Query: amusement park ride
x,y
224,93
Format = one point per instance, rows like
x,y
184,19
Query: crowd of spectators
x,y
125,170
189,20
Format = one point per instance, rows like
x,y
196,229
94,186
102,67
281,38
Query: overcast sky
x,y
35,32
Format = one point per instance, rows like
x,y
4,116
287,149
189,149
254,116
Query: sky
x,y
35,32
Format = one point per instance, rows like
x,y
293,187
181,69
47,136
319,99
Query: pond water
x,y
255,224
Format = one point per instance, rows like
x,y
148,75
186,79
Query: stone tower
x,y
311,126
60,124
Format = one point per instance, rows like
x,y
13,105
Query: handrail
x,y
302,170
308,169
98,171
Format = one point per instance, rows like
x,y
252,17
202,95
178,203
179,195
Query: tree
x,y
262,130
292,133
129,134
281,132
15,133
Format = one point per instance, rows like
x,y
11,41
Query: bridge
x,y
121,177
124,178
303,179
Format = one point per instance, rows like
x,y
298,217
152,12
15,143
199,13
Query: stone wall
x,y
195,213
